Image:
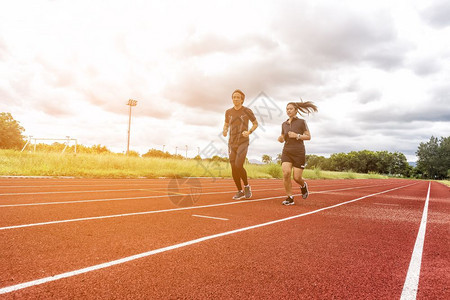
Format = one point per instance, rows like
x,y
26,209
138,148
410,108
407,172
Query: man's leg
x,y
232,151
240,160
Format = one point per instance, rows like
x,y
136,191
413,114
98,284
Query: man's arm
x,y
225,129
255,125
247,133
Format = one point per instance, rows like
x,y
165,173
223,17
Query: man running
x,y
236,119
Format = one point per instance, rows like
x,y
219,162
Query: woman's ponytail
x,y
304,107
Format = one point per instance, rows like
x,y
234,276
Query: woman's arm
x,y
306,136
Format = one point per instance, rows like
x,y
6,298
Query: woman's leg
x,y
287,171
298,173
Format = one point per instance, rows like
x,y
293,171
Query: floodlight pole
x,y
130,103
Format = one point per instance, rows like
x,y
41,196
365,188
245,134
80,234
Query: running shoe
x,y
239,195
248,192
288,201
304,190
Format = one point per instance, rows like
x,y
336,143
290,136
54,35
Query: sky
x,y
379,71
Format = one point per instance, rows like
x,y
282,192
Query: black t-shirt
x,y
298,126
238,122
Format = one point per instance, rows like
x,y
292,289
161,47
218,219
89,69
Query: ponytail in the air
x,y
304,107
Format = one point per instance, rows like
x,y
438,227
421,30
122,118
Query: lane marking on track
x,y
130,198
165,196
158,189
412,277
20,286
161,189
208,217
143,185
156,211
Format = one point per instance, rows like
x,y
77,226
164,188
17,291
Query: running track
x,y
126,239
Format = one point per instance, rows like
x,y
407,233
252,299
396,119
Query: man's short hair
x,y
240,92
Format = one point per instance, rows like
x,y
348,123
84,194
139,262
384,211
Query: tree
x,y
279,158
315,161
399,164
133,153
10,132
157,153
433,158
266,159
384,162
444,154
339,162
100,149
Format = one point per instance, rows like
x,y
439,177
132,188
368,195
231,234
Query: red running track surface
x,y
115,239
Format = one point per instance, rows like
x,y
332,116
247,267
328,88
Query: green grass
x,y
446,182
15,163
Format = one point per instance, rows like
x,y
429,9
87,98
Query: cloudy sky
x,y
379,71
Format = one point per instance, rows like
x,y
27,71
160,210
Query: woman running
x,y
236,120
293,132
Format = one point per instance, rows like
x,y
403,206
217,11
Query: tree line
x,y
433,156
381,162
433,161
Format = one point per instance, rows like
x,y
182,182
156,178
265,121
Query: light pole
x,y
176,150
164,147
186,151
130,103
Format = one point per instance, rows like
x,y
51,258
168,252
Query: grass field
x,y
446,182
15,163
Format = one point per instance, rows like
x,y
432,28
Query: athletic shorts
x,y
295,156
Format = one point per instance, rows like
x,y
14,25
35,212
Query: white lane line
x,y
72,192
165,196
412,277
136,214
143,185
104,191
20,286
130,198
208,217
152,212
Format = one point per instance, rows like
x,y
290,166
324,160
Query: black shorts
x,y
295,156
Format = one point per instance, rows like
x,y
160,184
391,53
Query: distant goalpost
x,y
67,141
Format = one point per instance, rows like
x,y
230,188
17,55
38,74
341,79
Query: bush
x,y
318,172
274,170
